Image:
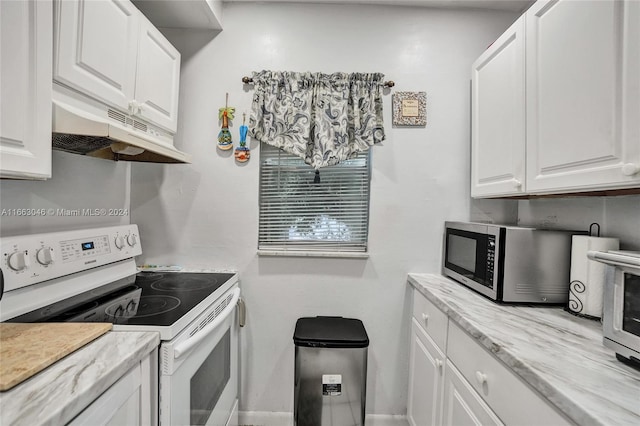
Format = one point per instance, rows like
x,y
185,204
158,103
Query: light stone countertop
x,y
60,392
558,354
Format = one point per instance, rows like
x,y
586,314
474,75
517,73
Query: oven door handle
x,y
186,346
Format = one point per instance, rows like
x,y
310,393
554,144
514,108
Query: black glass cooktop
x,y
148,298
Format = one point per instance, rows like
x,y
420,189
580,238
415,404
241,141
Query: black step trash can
x,y
330,371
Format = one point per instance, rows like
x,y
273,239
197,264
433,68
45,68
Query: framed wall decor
x,y
410,109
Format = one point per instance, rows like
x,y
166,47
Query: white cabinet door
x,y
25,89
158,78
131,401
576,90
462,406
118,405
631,90
498,116
96,44
426,368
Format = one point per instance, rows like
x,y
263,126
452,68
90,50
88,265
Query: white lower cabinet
x,y
462,405
425,381
131,401
455,381
426,370
514,402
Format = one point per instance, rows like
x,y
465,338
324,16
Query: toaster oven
x,y
621,309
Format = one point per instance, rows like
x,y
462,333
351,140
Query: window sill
x,y
327,254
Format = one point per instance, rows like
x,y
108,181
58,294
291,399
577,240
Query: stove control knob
x,y
119,242
132,307
18,261
119,311
44,256
132,239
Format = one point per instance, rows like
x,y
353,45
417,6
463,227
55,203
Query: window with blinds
x,y
298,213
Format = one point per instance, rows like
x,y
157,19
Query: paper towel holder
x,y
587,278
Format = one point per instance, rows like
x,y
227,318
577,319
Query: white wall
x,y
77,183
618,217
205,214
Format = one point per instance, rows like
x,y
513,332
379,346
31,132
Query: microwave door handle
x,y
186,346
618,306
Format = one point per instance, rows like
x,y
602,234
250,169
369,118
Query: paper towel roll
x,y
587,276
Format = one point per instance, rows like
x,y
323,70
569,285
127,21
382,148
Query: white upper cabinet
x,y
158,78
96,48
109,51
25,89
582,96
556,102
498,116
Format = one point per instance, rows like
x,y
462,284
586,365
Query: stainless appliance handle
x,y
614,259
242,312
187,345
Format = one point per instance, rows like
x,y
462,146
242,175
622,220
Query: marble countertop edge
x,y
564,402
60,392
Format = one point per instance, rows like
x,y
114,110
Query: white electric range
x,y
91,276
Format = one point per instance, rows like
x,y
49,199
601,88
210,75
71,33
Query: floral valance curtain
x,y
322,118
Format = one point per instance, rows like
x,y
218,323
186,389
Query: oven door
x,y
199,373
621,319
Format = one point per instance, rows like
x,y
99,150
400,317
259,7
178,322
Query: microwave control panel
x,y
491,259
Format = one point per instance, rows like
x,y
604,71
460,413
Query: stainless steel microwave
x,y
509,264
621,311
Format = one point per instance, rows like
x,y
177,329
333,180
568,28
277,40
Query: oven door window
x,y
210,380
631,308
467,253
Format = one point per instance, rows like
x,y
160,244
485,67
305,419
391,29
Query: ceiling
x,y
506,5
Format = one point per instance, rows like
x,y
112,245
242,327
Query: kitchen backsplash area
x,y
83,192
618,216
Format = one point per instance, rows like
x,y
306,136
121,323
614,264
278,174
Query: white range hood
x,y
83,126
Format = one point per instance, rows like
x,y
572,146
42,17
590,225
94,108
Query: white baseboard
x,y
265,418
271,418
386,420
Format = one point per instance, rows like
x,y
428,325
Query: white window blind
x,y
297,213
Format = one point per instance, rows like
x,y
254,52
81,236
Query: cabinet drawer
x,y
463,405
511,399
431,319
